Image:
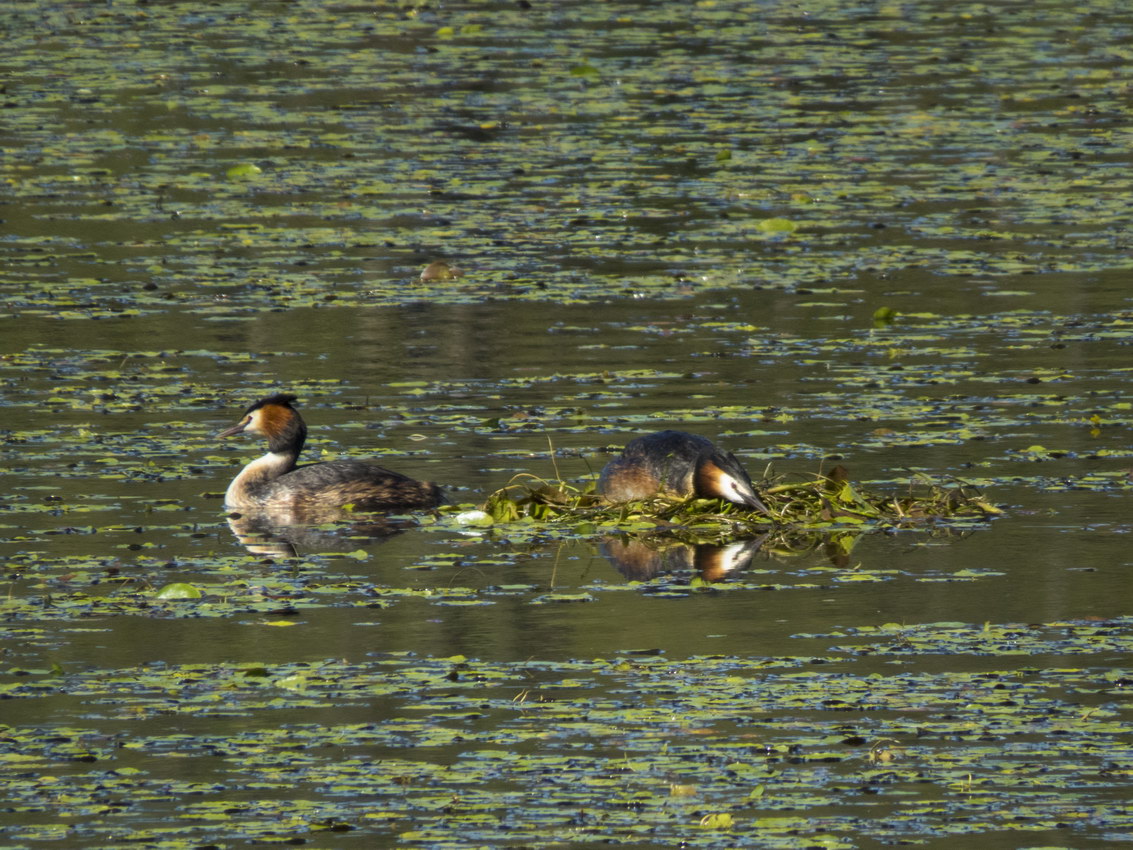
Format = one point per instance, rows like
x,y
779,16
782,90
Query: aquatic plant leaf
x,y
179,590
243,171
581,731
776,225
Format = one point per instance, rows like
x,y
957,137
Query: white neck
x,y
243,491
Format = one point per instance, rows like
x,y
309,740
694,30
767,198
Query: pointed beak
x,y
238,428
752,501
735,487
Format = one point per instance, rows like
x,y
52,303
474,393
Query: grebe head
x,y
275,419
721,475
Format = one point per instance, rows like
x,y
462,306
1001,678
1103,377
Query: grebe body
x,y
274,481
676,463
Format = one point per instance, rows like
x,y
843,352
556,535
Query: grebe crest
x,y
721,475
274,481
274,418
680,464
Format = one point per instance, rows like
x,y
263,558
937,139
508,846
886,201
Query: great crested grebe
x,y
677,463
275,482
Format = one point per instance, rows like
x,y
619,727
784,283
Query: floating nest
x,y
821,502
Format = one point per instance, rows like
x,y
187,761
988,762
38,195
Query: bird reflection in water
x,y
287,534
639,560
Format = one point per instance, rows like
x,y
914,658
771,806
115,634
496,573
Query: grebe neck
x,y
288,439
246,488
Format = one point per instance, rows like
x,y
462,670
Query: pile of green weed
x,y
822,502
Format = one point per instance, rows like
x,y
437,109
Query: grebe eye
x,y
732,487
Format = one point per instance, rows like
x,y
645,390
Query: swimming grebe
x,y
677,463
274,481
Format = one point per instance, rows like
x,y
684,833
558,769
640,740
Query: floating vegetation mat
x,y
796,509
631,750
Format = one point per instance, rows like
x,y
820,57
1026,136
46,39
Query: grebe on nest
x,y
275,482
676,463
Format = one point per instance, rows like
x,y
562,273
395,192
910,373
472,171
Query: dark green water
x,y
668,215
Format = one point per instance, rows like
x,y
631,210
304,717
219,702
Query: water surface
x,y
665,219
